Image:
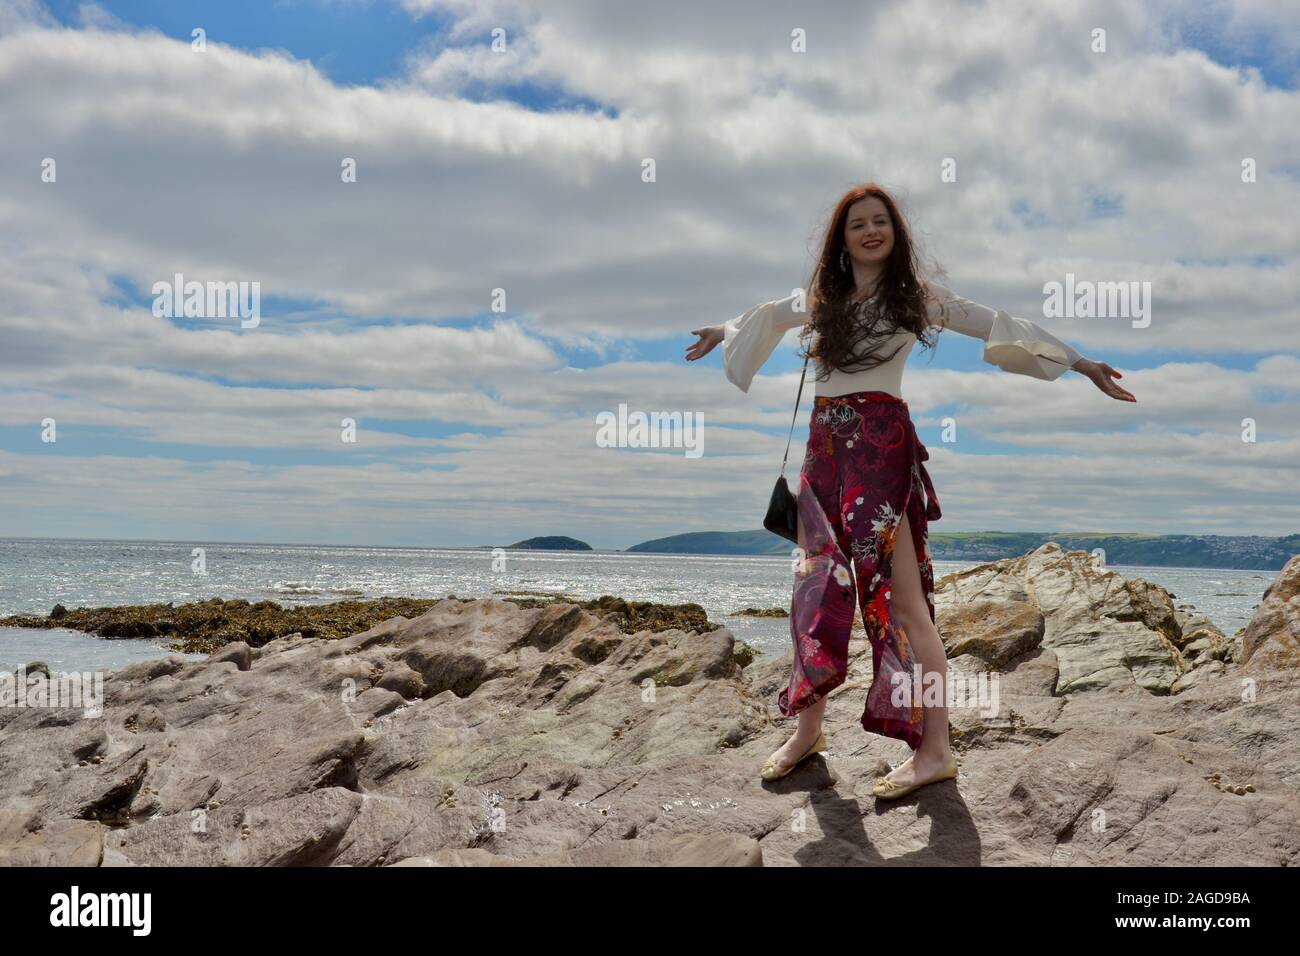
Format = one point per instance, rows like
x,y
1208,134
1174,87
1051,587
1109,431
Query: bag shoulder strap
x,y
798,399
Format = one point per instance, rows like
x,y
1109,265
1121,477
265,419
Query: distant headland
x,y
555,542
1251,552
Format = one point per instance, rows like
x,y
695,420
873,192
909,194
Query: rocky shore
x,y
1128,730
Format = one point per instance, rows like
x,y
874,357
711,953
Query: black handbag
x,y
782,511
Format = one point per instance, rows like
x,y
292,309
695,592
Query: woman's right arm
x,y
751,337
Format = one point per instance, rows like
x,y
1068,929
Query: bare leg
x,y
908,607
810,725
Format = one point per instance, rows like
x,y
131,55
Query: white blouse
x,y
1012,344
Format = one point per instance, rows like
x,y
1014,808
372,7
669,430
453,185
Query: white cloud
x,y
225,165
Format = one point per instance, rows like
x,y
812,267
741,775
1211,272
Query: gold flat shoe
x,y
886,789
774,770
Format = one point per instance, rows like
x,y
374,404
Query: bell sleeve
x,y
751,337
1012,344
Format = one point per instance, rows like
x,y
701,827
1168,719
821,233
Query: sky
x,y
500,272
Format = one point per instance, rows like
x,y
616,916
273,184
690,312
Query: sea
x,y
36,574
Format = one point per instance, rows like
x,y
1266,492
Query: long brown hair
x,y
847,333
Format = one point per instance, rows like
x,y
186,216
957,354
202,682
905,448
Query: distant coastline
x,y
1209,551
1226,552
1206,552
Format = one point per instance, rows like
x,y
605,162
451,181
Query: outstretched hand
x,y
1102,376
709,337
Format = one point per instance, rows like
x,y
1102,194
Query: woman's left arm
x,y
1018,345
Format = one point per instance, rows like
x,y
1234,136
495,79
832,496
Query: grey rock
x,y
1273,635
1122,731
1106,631
236,652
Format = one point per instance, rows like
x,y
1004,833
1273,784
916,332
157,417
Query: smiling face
x,y
869,232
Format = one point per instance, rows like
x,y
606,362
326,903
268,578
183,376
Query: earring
x,y
844,260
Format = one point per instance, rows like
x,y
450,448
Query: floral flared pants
x,y
863,474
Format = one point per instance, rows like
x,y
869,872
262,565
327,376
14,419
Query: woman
x,y
862,482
